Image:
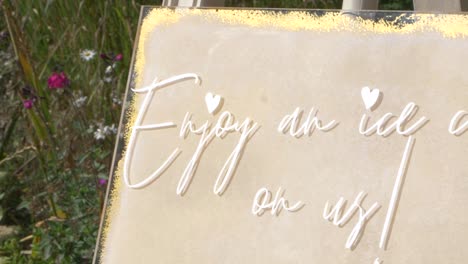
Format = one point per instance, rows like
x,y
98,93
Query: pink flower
x,y
118,57
102,182
28,103
58,80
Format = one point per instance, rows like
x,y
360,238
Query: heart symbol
x,y
212,102
370,97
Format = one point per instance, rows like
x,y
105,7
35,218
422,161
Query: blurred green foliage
x,y
396,5
55,157
314,4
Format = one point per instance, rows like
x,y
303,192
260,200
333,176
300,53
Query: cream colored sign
x,y
268,137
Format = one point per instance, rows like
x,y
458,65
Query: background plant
x,y
63,73
58,121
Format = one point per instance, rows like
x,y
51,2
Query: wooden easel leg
x,y
360,5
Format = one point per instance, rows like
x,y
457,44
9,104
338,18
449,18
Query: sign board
x,y
281,136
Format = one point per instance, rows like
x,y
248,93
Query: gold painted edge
x,y
448,25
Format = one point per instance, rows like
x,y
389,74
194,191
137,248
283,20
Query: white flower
x,y
109,69
116,101
108,79
80,101
104,131
87,54
99,134
110,129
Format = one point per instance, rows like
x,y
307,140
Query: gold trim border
x,y
448,25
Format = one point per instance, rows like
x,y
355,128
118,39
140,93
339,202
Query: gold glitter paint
x,y
113,201
449,26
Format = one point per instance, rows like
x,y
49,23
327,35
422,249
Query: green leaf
x,y
23,205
